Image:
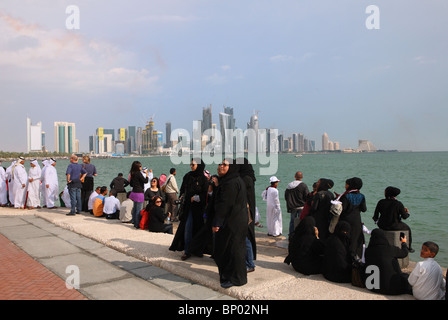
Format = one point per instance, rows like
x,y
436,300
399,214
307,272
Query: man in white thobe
x,y
51,184
43,188
273,209
9,183
3,187
34,175
20,178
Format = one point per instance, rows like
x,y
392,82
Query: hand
x,y
403,239
215,229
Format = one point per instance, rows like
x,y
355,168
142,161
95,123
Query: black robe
x,y
337,262
193,183
231,216
353,203
320,208
381,254
305,250
247,174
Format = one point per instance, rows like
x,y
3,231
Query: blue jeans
x,y
136,217
249,255
294,214
75,200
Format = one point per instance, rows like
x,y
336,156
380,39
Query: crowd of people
x,y
217,214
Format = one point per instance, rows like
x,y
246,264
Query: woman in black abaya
x,y
194,193
337,262
320,206
305,250
230,226
353,203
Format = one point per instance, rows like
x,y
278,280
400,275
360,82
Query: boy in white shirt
x,y
427,277
112,206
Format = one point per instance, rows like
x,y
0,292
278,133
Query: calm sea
x,y
421,176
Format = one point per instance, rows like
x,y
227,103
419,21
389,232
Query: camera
x,y
177,201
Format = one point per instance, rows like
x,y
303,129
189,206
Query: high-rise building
x,y
325,141
33,136
206,118
168,141
65,137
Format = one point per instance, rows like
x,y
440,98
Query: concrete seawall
x,y
272,279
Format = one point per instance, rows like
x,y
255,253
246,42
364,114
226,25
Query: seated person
x,y
92,197
112,206
427,277
126,209
98,203
157,217
337,261
305,250
383,256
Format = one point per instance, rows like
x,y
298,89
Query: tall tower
x,y
64,137
206,118
325,141
33,136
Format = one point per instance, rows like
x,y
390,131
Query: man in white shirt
x,y
112,206
427,277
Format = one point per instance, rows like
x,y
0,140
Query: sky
x,y
306,66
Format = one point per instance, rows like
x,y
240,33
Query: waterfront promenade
x,y
116,261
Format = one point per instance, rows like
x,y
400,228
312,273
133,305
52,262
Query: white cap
x,y
273,179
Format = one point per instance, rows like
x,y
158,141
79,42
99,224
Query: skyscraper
x,y
206,118
33,136
168,142
325,141
65,137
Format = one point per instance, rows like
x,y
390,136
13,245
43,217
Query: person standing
x,y
43,188
87,183
171,191
34,175
20,178
230,223
295,195
137,181
247,173
320,206
3,187
75,174
51,183
353,203
193,190
273,209
119,184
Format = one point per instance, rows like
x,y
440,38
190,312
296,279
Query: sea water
x,y
421,176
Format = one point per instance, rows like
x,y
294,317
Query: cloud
x,y
424,60
66,59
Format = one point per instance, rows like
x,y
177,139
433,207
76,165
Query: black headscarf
x,y
232,172
342,231
354,183
200,169
392,192
378,238
325,184
245,168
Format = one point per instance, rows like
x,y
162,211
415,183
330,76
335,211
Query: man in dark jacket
x,y
119,184
295,196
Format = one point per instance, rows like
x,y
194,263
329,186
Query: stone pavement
x,y
38,258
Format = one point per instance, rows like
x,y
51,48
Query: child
x,y
427,277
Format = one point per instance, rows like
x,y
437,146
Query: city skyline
x,y
304,67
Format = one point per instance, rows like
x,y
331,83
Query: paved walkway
x,y
37,258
